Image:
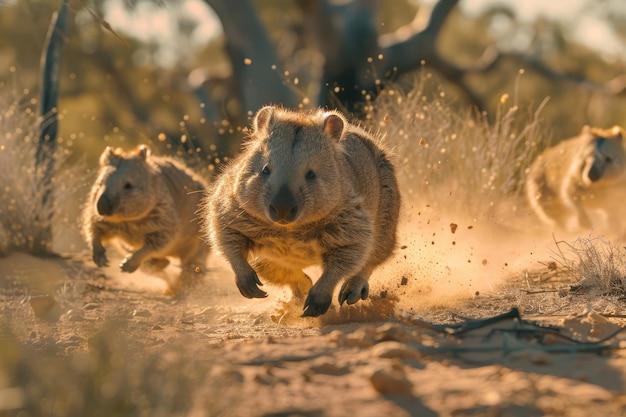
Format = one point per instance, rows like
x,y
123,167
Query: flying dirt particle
x,y
552,266
403,247
469,261
484,262
422,142
470,227
454,242
404,281
432,242
453,227
477,293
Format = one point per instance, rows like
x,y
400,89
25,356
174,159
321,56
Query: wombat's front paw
x,y
248,285
353,290
129,264
316,304
100,258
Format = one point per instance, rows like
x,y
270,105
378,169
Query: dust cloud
x,y
444,257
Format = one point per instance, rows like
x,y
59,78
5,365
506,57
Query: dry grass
x,y
116,377
445,153
22,212
595,265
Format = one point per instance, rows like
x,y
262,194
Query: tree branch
x,y
255,63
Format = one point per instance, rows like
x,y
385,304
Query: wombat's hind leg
x,y
354,289
152,265
276,274
302,289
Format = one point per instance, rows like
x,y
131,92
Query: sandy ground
x,y
81,341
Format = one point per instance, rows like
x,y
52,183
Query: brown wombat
x,y
149,203
308,189
578,176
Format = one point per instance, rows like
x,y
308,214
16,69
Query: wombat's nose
x,y
104,206
283,206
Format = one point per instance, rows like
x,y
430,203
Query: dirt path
x,y
78,341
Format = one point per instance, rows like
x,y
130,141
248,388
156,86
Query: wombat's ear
x,y
264,119
143,152
334,126
107,155
618,132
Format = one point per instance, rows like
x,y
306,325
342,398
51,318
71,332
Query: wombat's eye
x,y
128,186
310,175
266,170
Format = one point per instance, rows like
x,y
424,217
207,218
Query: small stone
x,y
362,337
329,368
390,331
336,336
391,382
45,306
157,327
73,316
140,313
91,306
392,349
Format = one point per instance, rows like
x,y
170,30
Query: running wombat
x,y
567,182
149,203
309,189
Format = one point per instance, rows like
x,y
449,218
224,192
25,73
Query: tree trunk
x,y
47,127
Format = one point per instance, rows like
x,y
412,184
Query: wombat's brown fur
x,y
150,203
577,176
309,189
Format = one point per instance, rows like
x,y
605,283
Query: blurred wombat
x,y
149,203
587,173
308,189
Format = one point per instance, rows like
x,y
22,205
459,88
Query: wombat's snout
x,y
105,206
283,206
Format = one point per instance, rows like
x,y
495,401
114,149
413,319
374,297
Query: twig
x,y
458,328
538,291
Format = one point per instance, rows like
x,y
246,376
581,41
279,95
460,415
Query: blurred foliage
x,y
116,376
114,93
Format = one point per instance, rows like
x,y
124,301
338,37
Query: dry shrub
x,y
118,376
594,264
444,153
22,212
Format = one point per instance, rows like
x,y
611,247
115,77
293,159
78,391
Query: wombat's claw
x,y
314,308
100,259
353,291
248,286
